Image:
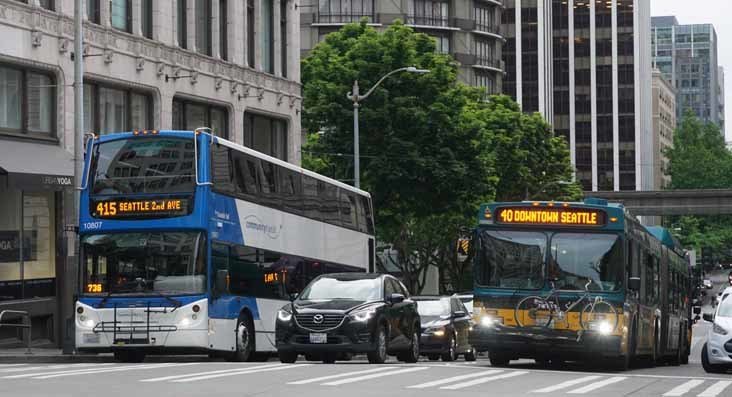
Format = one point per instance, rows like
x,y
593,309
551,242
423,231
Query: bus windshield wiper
x,y
176,303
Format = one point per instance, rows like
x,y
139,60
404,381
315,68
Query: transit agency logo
x,y
253,223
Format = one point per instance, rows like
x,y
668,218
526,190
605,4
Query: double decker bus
x,y
191,243
577,281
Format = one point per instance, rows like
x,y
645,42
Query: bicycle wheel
x,y
533,311
599,316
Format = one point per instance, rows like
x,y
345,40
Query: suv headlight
x,y
284,315
362,315
717,329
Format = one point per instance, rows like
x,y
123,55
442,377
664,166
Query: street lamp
x,y
356,97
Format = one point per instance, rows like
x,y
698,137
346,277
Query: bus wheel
x,y
129,356
244,340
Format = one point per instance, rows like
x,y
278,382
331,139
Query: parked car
x,y
708,284
350,313
446,326
715,353
467,299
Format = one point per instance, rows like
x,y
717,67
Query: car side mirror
x,y
459,314
293,296
395,298
709,317
634,283
697,309
222,282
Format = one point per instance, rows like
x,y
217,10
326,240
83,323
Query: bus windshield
x,y
162,263
144,165
581,258
511,259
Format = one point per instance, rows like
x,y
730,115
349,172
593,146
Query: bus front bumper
x,y
532,343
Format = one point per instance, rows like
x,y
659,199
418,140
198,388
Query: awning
x,y
30,165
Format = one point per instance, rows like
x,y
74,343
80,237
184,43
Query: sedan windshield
x,y
432,310
144,263
327,288
579,259
511,259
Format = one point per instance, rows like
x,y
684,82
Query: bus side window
x,y
243,270
246,176
311,203
220,261
328,195
346,203
290,190
268,184
366,202
361,215
222,169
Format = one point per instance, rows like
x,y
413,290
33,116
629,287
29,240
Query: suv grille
x,y
328,321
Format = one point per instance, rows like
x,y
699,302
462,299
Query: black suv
x,y
346,313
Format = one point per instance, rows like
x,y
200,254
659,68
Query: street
x,y
200,378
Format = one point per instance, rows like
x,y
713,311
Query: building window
x,y
91,8
428,13
182,23
27,245
266,134
203,26
485,80
345,11
223,30
147,18
268,35
250,33
442,43
120,14
189,115
27,102
485,53
109,109
47,4
485,18
283,36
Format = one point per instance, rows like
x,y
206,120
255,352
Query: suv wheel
x,y
378,356
412,355
287,357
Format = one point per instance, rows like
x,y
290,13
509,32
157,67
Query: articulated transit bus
x,y
191,243
578,281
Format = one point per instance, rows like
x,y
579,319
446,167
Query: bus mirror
x,y
222,281
697,309
634,283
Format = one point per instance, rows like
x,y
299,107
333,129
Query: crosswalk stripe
x,y
454,379
11,365
171,377
242,372
566,384
45,375
23,369
715,389
322,378
597,385
684,388
484,380
373,376
106,370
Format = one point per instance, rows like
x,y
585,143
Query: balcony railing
x,y
489,28
344,18
490,62
428,20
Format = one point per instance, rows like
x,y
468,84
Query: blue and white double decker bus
x,y
191,243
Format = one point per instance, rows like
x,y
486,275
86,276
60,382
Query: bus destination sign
x,y
143,208
551,216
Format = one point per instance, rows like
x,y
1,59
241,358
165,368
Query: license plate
x,y
91,338
318,338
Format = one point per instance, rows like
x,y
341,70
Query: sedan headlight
x,y
284,315
363,315
435,331
717,329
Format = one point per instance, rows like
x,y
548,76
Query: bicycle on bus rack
x,y
541,312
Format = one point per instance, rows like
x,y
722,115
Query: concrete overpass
x,y
672,202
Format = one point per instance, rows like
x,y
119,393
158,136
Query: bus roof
x,y
665,236
235,146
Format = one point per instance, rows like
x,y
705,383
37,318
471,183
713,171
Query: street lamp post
x,y
356,98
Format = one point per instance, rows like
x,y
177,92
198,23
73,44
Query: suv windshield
x,y
725,308
327,288
144,263
579,258
511,259
144,165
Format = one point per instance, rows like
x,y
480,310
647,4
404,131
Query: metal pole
x,y
356,150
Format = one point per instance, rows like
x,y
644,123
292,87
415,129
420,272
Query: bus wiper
x,y
176,303
104,300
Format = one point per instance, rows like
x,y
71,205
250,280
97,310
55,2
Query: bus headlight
x,y
284,316
604,328
488,321
184,322
87,322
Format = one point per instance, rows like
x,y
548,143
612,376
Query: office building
x,y
469,30
664,125
687,56
228,64
585,66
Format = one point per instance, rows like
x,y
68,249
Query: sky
x,y
719,14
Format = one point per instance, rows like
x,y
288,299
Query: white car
x,y
708,284
717,352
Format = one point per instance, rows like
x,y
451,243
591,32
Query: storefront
x,y
33,179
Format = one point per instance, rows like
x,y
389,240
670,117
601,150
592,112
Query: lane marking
x,y
373,376
684,388
597,385
715,389
368,371
484,380
454,379
567,384
11,365
221,371
46,375
242,372
22,369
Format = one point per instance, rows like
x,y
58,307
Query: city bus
x,y
191,243
577,281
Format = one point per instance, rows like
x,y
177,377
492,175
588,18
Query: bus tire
x,y
244,339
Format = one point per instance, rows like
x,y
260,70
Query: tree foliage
x,y
432,149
